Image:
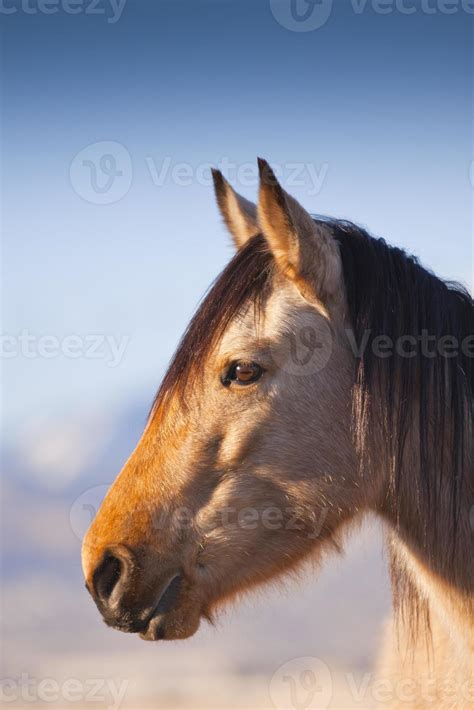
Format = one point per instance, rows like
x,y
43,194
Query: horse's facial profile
x,y
247,463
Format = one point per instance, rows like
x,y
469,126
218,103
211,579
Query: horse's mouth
x,y
159,629
155,628
173,617
165,607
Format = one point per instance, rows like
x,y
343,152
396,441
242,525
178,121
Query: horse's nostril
x,y
107,575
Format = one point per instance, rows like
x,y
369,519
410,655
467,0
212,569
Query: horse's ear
x,y
239,214
304,250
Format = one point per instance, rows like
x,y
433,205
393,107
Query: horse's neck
x,y
439,569
451,604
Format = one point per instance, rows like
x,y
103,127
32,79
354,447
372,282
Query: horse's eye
x,y
244,373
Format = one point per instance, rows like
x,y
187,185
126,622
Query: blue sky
x,y
375,109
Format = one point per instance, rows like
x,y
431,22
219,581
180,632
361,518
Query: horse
x,y
325,375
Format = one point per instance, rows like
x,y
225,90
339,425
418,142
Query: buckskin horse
x,y
326,374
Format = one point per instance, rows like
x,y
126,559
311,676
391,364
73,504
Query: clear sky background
x,y
374,109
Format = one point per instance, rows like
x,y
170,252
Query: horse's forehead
x,y
282,304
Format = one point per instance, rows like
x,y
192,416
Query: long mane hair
x,y
424,399
429,386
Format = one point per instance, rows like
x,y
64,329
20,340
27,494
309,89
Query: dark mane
x,y
425,397
388,293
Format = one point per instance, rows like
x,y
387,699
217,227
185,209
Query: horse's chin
x,y
181,623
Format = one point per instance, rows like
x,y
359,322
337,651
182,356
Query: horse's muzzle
x,y
130,595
